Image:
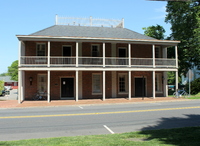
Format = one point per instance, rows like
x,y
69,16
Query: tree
x,y
155,31
3,74
1,85
195,86
184,18
13,70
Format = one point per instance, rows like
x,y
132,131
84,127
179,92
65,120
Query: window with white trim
x,y
158,82
122,82
96,83
95,51
157,52
42,82
41,50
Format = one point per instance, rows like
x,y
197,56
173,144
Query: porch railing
x,y
34,61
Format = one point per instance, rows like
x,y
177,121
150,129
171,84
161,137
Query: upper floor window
x,y
157,52
122,52
41,50
95,51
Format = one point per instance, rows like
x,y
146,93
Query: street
x,y
28,123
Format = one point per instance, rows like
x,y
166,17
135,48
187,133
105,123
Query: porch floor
x,y
82,102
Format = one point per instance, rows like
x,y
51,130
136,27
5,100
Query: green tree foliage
x,y
184,18
1,85
194,86
4,74
155,31
13,70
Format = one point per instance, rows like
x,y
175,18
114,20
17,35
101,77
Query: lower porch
x,y
103,85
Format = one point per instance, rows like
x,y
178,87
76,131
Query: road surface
x,y
28,123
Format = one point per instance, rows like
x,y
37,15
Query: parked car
x,y
3,93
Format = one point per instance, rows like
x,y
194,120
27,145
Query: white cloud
x,y
161,13
158,17
162,9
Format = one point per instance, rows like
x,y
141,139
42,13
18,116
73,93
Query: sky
x,y
23,17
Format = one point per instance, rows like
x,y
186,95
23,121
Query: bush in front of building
x,y
194,86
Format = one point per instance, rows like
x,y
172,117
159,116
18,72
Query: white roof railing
x,y
89,22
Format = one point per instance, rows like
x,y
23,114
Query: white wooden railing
x,y
35,61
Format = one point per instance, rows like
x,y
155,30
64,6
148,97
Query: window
x,y
96,83
157,52
41,50
42,82
122,80
95,51
122,52
158,82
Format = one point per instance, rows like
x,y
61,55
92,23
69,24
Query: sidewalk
x,y
82,102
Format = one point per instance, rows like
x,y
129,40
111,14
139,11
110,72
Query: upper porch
x,y
94,54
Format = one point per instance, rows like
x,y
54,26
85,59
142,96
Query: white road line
x,y
80,107
109,129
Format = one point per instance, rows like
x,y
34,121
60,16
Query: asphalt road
x,y
28,123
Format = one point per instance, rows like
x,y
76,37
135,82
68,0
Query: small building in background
x,y
8,83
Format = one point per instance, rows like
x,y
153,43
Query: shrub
x,y
194,86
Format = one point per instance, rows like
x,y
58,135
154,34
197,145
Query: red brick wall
x,y
55,87
137,50
141,51
56,48
29,89
87,85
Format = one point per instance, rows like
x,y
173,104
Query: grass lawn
x,y
180,136
197,96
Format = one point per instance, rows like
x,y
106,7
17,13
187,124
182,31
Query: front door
x,y
140,90
67,87
122,54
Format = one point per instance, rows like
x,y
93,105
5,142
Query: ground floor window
x,y
42,82
122,80
96,83
158,82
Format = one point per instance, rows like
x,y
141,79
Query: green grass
x,y
197,96
181,137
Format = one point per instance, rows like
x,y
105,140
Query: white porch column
x,y
19,86
20,53
48,86
153,55
176,56
129,55
76,85
165,86
23,85
176,53
177,80
129,83
48,57
104,85
104,54
76,54
165,83
154,83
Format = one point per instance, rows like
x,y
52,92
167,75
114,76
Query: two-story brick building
x,y
86,62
